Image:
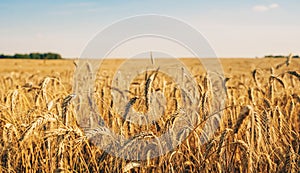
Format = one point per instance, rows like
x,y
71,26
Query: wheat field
x,y
258,131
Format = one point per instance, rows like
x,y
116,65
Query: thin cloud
x,y
263,8
273,6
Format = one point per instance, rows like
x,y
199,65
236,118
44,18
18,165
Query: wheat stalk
x,y
242,116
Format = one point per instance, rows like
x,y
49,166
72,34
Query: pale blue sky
x,y
234,28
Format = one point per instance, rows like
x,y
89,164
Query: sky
x,y
233,28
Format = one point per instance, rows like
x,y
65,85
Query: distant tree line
x,y
32,56
280,56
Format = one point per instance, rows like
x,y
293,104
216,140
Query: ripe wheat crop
x,y
258,131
